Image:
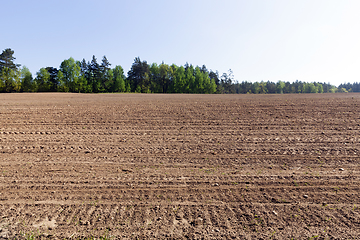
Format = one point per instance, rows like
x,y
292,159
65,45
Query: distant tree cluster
x,y
283,87
94,77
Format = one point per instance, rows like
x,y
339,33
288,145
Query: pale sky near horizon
x,y
288,40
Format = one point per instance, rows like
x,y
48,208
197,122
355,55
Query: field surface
x,y
131,166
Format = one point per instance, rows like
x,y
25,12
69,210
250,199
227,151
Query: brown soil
x,y
180,166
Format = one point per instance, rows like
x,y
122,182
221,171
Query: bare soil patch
x,y
180,166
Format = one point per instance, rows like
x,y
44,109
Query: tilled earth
x,y
128,166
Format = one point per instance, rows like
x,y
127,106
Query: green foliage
x,y
7,60
106,76
138,89
165,77
227,84
92,77
189,79
10,80
280,87
198,86
179,79
319,87
10,75
62,87
43,80
118,80
108,80
26,80
154,75
342,90
136,76
311,88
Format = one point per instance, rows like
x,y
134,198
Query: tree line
x,y
95,77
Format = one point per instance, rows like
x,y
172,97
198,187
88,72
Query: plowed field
x,y
180,166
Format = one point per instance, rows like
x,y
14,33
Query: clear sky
x,y
288,40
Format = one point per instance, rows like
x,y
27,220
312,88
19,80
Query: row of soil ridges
x,y
147,166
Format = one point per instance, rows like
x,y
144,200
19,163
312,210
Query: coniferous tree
x,y
136,74
9,73
78,76
271,87
84,67
85,76
94,75
215,76
356,87
7,59
106,75
204,69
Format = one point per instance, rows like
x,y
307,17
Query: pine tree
x,y
94,75
136,75
7,59
106,75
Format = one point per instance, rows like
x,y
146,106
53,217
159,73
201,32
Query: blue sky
x,y
288,40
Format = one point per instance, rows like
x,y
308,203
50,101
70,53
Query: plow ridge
x,y
180,166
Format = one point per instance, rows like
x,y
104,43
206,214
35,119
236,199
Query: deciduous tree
x,y
71,75
43,80
9,79
26,80
118,79
53,78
